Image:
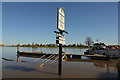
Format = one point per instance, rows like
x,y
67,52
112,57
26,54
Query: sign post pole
x,y
60,39
60,59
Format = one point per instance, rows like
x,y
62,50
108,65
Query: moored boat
x,y
102,49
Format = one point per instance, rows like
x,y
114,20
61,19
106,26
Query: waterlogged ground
x,y
25,68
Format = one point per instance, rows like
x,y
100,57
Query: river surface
x,y
25,68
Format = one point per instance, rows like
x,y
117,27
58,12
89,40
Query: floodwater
x,y
25,68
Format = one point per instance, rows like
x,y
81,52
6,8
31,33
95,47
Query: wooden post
x,y
18,57
18,49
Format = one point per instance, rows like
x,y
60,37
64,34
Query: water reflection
x,y
18,58
100,64
118,67
106,64
97,64
71,68
21,68
26,69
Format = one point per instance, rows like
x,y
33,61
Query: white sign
x,y
60,38
60,42
61,19
60,35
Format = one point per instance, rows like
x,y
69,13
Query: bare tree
x,y
89,41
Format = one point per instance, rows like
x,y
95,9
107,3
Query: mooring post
x,y
18,57
18,49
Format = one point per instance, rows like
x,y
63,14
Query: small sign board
x,y
61,19
59,35
60,42
60,38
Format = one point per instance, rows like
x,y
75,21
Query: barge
x,y
102,49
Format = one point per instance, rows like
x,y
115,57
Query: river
x,y
25,68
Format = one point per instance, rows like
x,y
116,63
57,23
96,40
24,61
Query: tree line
x,y
49,45
88,43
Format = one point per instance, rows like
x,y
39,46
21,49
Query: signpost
x,y
60,39
60,42
60,35
61,19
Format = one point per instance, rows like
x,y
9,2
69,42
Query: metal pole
x,y
60,59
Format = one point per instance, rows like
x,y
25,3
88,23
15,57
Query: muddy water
x,y
25,68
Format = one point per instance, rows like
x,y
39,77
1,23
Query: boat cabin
x,y
99,46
